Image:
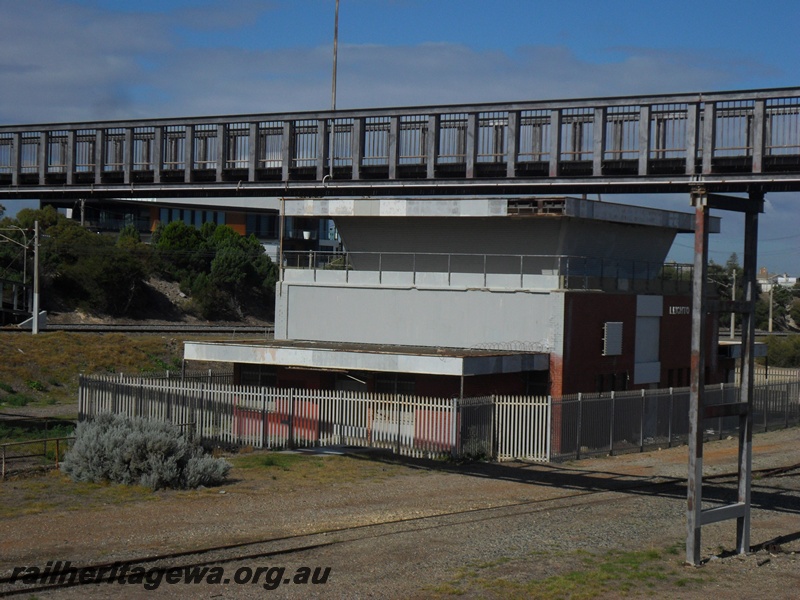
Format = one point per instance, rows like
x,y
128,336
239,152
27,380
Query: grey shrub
x,y
128,450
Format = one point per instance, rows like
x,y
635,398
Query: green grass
x,y
10,433
37,386
583,576
283,462
253,473
16,400
47,365
54,491
307,469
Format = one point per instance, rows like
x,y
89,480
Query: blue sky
x,y
72,60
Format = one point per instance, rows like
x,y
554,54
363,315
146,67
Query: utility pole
x,y
35,322
332,143
733,299
770,306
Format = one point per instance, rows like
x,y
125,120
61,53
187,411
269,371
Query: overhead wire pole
x,y
331,143
35,321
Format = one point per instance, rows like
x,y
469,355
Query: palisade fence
x,y
262,417
619,422
496,427
203,375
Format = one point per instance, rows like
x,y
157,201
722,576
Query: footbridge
x,y
745,141
707,145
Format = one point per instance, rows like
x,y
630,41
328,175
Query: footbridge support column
x,y
696,517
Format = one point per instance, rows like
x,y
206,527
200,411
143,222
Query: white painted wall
x,y
458,318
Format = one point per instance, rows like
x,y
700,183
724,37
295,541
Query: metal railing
x,y
618,422
573,272
29,449
665,141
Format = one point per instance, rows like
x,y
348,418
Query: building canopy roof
x,y
368,357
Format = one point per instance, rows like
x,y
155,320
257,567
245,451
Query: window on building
x,y
262,226
612,338
259,375
393,383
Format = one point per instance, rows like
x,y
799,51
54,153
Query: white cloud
x,y
63,62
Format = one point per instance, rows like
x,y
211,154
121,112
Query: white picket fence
x,y
493,427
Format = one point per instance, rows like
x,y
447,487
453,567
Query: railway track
x,y
267,330
286,546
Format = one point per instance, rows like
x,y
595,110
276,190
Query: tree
x,y
90,271
782,303
216,266
794,312
784,351
182,253
80,269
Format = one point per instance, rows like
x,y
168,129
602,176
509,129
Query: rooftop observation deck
x,y
744,141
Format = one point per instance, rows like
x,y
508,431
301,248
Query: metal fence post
x,y
611,428
495,433
454,410
139,400
319,420
578,432
397,400
786,407
263,417
290,440
671,417
549,427
641,425
340,416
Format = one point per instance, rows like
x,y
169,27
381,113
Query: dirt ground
x,y
420,530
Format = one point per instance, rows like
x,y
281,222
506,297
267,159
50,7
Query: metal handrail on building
x,y
573,272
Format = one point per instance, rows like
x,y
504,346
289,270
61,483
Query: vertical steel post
x,y
748,375
611,426
35,322
578,425
695,478
290,440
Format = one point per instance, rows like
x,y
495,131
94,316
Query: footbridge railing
x,y
732,140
